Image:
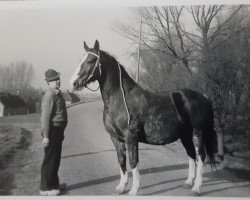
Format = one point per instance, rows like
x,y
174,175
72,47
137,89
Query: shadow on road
x,y
163,182
87,153
163,169
225,188
163,191
227,175
172,188
97,152
117,177
93,182
230,175
239,173
218,177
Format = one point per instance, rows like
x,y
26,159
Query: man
x,y
54,121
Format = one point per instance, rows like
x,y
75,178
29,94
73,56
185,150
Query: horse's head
x,y
89,68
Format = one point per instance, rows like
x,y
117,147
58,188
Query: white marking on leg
x,y
136,182
191,172
198,179
123,181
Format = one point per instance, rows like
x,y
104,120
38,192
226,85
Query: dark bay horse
x,y
132,115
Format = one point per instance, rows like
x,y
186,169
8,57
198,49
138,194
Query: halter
x,y
99,66
120,76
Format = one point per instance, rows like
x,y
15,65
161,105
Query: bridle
x,y
98,64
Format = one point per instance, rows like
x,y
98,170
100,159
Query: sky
x,y
50,34
53,38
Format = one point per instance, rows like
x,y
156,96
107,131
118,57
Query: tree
x,y
160,33
213,52
220,61
17,76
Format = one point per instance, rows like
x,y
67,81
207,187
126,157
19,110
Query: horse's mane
x,y
140,85
113,58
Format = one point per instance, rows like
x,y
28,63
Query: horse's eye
x,y
91,61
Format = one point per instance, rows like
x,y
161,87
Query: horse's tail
x,y
210,139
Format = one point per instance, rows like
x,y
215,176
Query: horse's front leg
x,y
121,155
132,146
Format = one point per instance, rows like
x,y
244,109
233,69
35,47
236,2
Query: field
x,y
15,137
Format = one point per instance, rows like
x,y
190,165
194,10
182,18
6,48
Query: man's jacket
x,y
54,112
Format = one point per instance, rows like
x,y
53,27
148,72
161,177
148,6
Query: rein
x,y
120,76
92,89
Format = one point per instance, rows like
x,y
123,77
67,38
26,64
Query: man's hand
x,y
45,142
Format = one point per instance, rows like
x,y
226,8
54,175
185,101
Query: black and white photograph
x,y
124,98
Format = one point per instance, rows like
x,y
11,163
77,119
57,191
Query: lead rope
x,y
92,89
124,99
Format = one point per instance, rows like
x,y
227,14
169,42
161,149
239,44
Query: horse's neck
x,y
112,83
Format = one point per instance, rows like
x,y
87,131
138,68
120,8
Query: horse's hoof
x,y
195,194
187,185
121,188
119,191
132,193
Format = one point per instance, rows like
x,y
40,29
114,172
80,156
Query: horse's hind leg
x,y
189,146
132,146
200,158
121,155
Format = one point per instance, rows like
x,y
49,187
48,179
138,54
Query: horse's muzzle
x,y
78,85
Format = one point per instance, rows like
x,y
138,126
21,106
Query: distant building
x,y
38,101
70,98
33,105
11,104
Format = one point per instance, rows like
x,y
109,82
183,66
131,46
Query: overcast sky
x,y
53,38
50,34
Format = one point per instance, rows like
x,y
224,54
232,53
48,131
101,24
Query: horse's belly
x,y
159,132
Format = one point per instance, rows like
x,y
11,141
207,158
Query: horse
x,y
132,114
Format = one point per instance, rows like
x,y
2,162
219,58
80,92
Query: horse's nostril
x,y
75,84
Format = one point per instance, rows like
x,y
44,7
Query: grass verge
x,y
12,140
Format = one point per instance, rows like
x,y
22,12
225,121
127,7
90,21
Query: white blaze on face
x,y
75,74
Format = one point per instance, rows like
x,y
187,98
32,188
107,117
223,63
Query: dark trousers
x,y
52,158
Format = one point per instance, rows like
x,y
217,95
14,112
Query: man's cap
x,y
51,75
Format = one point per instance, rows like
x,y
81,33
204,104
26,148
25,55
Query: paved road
x,y
89,164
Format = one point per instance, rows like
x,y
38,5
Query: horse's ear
x,y
85,46
96,46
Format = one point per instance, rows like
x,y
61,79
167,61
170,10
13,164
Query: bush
x,y
235,136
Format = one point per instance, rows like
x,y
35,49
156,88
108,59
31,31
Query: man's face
x,y
55,84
